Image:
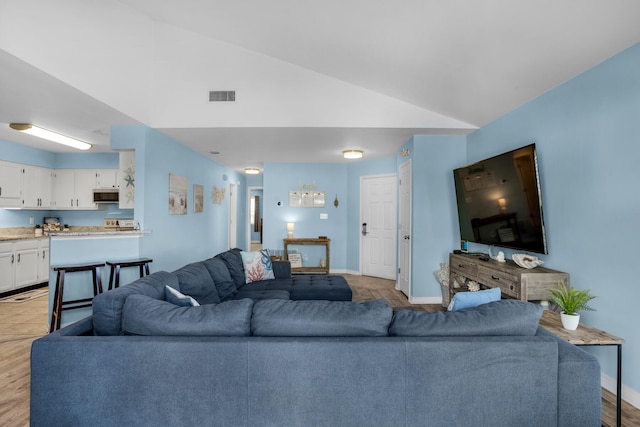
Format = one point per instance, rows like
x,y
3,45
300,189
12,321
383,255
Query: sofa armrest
x,y
281,269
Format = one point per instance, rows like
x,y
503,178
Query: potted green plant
x,y
571,301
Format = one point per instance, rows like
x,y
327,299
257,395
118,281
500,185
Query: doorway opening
x,y
255,218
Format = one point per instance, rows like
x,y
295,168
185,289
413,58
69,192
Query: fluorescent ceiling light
x,y
251,171
352,154
51,136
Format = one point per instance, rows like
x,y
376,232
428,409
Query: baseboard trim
x,y
629,395
425,300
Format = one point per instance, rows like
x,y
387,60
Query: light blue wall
x,y
586,133
279,179
434,224
179,239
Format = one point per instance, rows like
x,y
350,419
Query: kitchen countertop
x,y
23,233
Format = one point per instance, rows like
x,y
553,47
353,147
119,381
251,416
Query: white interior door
x,y
378,237
404,229
233,216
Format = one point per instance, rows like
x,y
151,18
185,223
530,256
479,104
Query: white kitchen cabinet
x,y
26,263
10,185
36,187
107,178
23,263
7,258
43,260
73,189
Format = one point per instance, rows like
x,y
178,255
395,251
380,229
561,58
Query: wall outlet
x,y
30,220
324,216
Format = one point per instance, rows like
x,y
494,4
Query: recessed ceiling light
x,y
352,154
51,136
214,152
251,171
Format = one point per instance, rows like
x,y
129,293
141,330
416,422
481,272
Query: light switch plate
x,y
324,216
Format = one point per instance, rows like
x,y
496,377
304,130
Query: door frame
x,y
360,214
233,216
408,164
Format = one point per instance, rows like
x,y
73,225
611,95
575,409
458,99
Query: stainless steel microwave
x,y
106,195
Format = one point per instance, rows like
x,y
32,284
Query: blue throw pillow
x,y
463,300
178,298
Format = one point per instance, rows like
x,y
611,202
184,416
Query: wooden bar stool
x,y
142,263
59,305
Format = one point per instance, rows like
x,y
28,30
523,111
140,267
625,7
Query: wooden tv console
x,y
513,280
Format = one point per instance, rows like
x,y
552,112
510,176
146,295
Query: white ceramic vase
x,y
570,321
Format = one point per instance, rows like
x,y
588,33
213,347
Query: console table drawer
x,y
508,283
463,266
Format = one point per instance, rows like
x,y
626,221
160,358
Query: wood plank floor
x,y
23,322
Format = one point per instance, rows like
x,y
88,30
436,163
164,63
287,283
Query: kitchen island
x,y
82,245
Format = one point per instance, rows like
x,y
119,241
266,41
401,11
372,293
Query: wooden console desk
x,y
514,281
309,241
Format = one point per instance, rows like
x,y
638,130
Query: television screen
x,y
499,201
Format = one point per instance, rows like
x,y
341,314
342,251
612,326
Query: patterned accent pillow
x,y
257,266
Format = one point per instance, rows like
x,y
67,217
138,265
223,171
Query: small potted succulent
x,y
571,301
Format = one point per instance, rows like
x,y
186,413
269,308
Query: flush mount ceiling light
x,y
352,154
251,171
51,136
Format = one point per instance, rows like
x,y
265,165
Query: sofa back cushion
x,y
143,315
196,281
107,306
233,261
286,318
505,317
221,278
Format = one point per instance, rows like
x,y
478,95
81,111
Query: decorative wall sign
x,y
218,195
177,194
306,199
198,198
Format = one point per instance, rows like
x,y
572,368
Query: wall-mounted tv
x,y
499,201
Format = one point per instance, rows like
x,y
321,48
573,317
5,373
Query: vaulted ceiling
x,y
311,78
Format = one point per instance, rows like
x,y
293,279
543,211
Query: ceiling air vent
x,y
222,96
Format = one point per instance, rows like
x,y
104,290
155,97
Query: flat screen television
x,y
499,201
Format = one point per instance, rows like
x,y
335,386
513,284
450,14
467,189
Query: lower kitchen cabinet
x,y
23,263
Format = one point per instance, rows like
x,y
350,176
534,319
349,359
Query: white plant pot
x,y
38,231
570,321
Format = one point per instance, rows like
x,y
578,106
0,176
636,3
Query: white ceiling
x,y
458,64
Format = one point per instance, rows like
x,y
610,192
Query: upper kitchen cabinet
x,y
107,178
37,185
73,189
10,185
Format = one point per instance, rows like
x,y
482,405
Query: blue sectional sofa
x,y
143,360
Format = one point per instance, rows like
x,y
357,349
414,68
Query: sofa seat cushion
x,y
307,287
505,317
281,318
107,306
259,295
143,315
196,281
